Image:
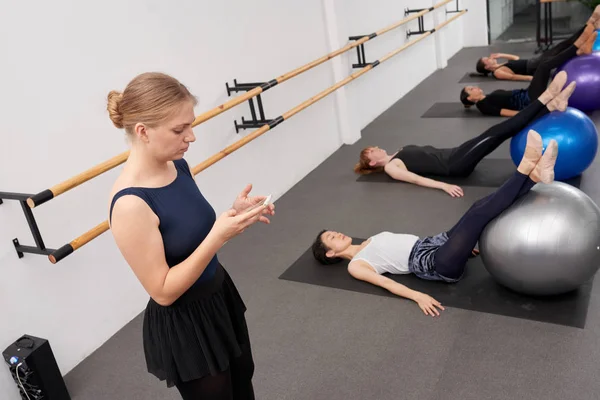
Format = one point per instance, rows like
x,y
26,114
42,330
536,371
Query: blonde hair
x,y
363,167
150,98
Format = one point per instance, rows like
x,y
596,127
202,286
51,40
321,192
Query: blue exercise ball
x,y
575,134
596,47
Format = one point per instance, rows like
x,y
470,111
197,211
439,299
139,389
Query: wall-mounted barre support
x,y
255,122
40,247
360,50
421,30
454,11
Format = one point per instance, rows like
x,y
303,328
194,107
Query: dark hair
x,y
464,98
480,67
319,251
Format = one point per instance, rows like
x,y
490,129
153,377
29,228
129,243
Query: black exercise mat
x,y
490,172
454,110
477,291
476,78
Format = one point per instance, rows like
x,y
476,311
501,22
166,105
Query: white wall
x,y
57,69
475,23
501,16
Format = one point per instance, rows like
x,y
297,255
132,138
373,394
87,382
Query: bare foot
x,y
588,45
561,102
533,153
553,88
544,170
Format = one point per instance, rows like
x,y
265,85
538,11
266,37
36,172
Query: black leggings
x,y
465,158
233,384
534,63
451,258
540,79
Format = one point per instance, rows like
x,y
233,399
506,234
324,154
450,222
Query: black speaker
x,y
34,369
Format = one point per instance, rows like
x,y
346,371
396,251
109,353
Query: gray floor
x,y
314,343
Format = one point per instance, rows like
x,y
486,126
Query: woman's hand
x,y
428,304
231,223
453,190
243,202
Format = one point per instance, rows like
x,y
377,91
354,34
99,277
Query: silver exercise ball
x,y
546,243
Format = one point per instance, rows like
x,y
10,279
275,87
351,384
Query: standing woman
x,y
194,332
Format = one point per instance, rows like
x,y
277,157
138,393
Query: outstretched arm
x,y
400,173
361,271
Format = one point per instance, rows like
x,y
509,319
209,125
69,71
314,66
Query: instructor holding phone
x,y
195,335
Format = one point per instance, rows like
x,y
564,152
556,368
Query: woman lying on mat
x,y
508,103
410,162
517,69
442,257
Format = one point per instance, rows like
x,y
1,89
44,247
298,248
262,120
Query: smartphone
x,y
266,202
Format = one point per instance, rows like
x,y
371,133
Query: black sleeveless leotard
x,y
519,67
426,160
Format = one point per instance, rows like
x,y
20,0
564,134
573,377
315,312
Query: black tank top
x,y
519,67
186,217
425,160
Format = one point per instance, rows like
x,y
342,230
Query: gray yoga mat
x,y
454,110
476,78
477,291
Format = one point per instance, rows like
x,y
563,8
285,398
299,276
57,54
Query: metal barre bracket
x,y
421,30
254,122
454,11
360,52
40,247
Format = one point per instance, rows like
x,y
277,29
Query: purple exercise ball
x,y
585,70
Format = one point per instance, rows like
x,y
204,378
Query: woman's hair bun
x,y
114,100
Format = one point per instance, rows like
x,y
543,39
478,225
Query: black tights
x,y
540,79
233,384
451,258
533,63
465,158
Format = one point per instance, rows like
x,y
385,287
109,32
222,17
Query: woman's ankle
x,y
546,97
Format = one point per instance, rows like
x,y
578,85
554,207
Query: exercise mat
x,y
477,291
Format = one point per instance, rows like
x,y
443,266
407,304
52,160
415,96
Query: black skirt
x,y
198,334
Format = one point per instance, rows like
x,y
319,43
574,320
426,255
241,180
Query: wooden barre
x,y
57,190
67,249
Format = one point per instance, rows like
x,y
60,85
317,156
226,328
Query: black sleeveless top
x,y
519,67
186,217
425,160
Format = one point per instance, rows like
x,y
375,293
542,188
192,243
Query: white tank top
x,y
388,252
